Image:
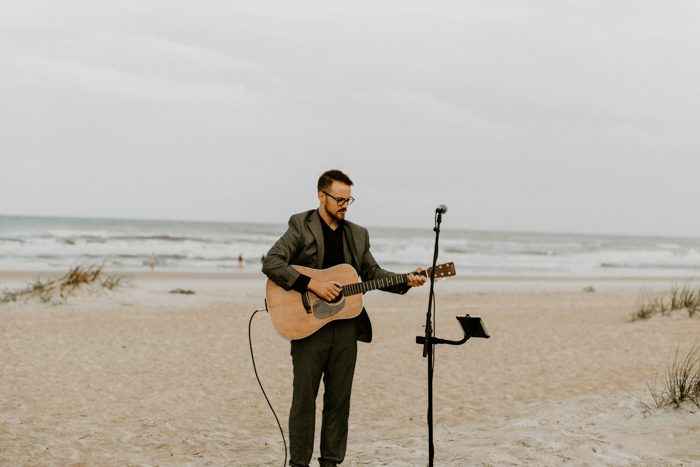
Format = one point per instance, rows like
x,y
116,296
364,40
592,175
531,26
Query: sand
x,y
139,376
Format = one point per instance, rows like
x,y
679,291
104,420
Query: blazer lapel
x,y
350,247
317,231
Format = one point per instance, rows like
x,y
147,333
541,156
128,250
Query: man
x,y
322,238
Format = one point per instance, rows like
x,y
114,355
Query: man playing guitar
x,y
322,238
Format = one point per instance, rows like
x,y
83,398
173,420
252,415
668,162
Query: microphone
x,y
442,209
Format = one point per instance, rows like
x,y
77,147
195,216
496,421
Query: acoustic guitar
x,y
297,315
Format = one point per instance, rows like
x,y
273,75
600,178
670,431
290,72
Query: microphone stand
x,y
472,327
428,345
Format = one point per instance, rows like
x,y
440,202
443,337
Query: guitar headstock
x,y
443,270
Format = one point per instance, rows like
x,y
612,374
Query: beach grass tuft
x,y
681,382
182,291
111,282
51,290
681,297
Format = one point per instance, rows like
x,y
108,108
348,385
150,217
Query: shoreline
x,y
235,285
252,275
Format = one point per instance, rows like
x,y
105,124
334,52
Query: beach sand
x,y
139,376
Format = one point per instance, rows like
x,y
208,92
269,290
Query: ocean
x,y
55,243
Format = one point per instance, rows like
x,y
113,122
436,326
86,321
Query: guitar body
x,y
295,315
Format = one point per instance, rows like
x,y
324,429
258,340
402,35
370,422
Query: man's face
x,y
341,192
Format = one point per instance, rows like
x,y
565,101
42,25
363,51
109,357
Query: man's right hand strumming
x,y
327,291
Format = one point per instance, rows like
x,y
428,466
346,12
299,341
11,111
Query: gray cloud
x,y
564,116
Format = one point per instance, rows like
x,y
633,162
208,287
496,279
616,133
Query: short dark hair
x,y
329,176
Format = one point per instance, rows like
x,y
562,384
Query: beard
x,y
338,214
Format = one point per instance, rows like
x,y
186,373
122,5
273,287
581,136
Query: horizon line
x,y
475,230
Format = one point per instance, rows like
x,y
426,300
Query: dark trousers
x,y
330,352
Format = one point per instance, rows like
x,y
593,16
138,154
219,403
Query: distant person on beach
x,y
322,238
240,260
152,261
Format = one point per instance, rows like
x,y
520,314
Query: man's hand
x,y
327,291
416,280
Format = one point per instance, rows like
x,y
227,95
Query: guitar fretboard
x,y
442,270
362,287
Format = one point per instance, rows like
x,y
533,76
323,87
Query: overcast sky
x,y
519,115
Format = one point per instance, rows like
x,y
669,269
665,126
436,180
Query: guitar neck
x,y
388,281
441,270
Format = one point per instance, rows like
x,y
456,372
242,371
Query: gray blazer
x,y
302,245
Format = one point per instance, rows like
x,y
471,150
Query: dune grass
x,y
680,383
59,289
681,297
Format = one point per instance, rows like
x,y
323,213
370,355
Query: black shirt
x,y
333,243
333,255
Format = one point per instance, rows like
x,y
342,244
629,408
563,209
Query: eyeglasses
x,y
340,201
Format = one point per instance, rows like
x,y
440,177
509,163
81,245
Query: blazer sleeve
x,y
276,264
